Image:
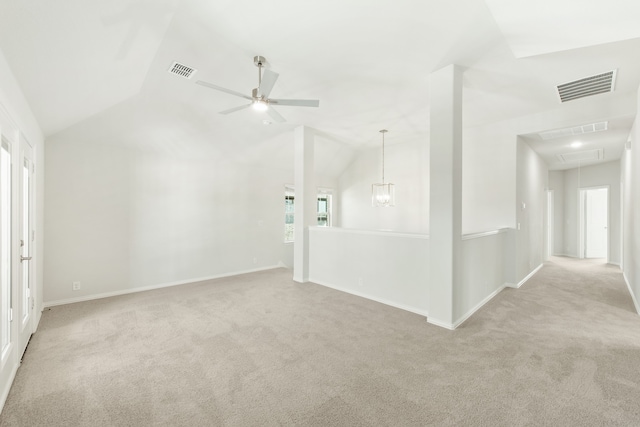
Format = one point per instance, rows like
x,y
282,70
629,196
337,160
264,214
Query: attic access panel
x,y
573,131
581,156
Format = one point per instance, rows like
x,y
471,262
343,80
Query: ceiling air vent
x,y
600,83
182,70
581,156
576,130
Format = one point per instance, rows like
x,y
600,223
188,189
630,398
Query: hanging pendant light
x,y
382,195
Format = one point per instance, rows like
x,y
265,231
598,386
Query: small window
x,y
323,211
288,214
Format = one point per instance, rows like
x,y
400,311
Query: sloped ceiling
x,y
369,66
546,26
75,58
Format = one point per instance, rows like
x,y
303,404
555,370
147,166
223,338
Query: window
x,y
323,209
288,214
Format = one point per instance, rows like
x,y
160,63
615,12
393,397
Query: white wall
x,y
391,268
136,199
15,109
630,176
488,178
406,166
130,207
485,261
604,174
488,184
556,183
532,179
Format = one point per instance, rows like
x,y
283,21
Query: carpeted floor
x,y
261,350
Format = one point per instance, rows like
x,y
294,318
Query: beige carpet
x,y
261,350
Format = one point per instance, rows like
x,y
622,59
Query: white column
x,y
445,218
305,202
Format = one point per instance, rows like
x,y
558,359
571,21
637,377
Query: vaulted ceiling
x,y
367,62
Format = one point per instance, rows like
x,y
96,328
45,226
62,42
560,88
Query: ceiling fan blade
x,y
221,89
275,115
268,81
234,109
296,102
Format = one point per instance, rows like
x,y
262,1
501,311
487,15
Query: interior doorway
x,y
594,222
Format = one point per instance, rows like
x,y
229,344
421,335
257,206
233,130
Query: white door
x,y
596,220
23,262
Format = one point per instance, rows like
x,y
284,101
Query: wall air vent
x,y
581,156
182,70
600,83
576,130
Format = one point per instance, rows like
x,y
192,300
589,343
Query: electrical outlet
x,y
360,282
75,286
255,260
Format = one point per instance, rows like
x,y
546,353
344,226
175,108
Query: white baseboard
x,y
486,300
478,306
370,297
440,323
523,281
633,296
7,387
152,287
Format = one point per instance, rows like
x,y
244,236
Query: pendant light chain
x,y
383,157
383,131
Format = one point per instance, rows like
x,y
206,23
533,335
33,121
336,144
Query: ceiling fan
x,y
260,96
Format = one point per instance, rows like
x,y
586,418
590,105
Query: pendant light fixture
x,y
382,195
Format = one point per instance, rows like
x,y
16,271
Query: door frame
x,y
25,321
582,223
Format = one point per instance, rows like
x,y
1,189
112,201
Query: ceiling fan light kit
x,y
259,98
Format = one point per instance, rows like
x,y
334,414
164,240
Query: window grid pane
x,y
323,208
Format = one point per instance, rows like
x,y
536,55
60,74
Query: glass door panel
x,y
5,250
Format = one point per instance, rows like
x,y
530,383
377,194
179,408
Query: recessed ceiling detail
x,y
573,131
182,70
581,156
588,86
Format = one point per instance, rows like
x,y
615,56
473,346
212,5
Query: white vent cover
x,y
577,130
182,70
581,156
593,85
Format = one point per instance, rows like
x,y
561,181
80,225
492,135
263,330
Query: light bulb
x,y
383,198
260,105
